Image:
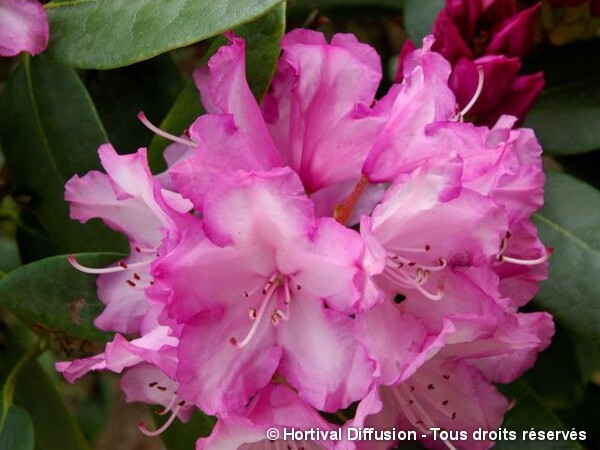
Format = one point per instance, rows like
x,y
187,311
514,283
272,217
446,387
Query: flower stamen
x,y
123,266
476,95
142,117
167,424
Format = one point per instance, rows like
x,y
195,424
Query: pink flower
x,y
427,224
445,394
254,304
130,200
24,27
317,119
149,364
261,286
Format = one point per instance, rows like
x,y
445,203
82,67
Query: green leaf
x,y
56,296
50,131
104,34
119,95
262,51
566,119
16,432
54,426
419,16
565,388
530,412
183,436
394,4
569,223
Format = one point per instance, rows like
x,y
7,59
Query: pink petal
x,y
275,406
126,305
24,27
214,374
77,368
450,395
146,383
319,345
413,346
423,98
318,111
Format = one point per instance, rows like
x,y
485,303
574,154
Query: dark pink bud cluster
x,y
493,36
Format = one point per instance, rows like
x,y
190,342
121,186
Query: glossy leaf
x,y
530,412
565,388
16,430
55,296
569,223
419,16
50,131
103,34
262,50
567,118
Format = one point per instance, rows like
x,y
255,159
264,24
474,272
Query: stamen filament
x,y
475,97
256,322
142,117
167,424
120,268
169,407
427,418
526,262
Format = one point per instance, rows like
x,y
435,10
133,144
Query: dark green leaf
x,y
103,34
183,436
567,118
16,432
569,223
564,389
54,426
50,131
530,412
262,50
419,16
150,86
56,296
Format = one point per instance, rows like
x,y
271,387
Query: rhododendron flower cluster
x,y
323,249
491,36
